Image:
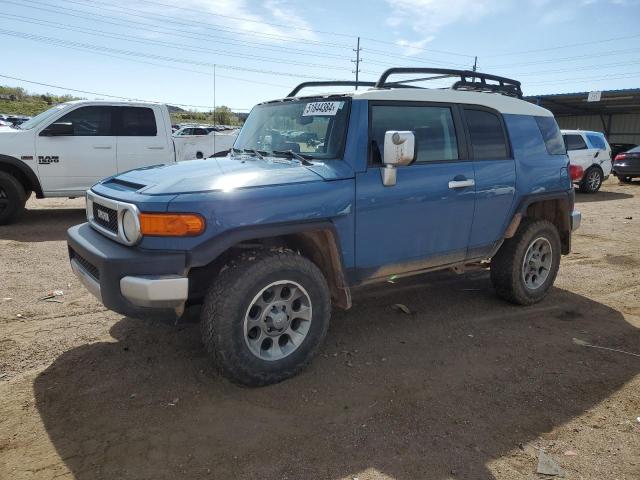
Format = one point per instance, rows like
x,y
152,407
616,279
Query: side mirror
x,y
58,129
399,149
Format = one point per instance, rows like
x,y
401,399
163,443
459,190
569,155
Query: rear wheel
x,y
526,265
265,316
12,198
592,180
625,179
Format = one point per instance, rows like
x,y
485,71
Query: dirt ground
x,y
466,386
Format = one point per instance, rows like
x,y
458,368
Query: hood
x,y
222,174
8,132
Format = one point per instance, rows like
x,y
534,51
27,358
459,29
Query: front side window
x,y
89,121
488,141
41,117
551,135
597,141
137,122
315,128
433,128
574,142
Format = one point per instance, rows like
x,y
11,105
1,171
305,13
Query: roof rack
x,y
468,80
342,83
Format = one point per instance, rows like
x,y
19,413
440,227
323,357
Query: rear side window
x,y
597,141
574,142
137,122
487,135
551,135
89,121
432,126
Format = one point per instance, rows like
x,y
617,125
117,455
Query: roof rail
x,y
330,83
505,86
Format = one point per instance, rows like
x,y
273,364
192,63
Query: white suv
x,y
592,152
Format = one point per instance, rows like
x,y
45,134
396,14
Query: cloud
x,y
427,17
251,18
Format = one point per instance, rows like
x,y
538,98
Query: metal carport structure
x,y
616,113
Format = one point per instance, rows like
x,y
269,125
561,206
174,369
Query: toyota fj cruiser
x,y
323,193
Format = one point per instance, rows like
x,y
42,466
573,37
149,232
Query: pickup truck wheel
x,y
526,265
592,180
265,316
12,198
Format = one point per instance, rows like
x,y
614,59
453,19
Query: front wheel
x,y
592,180
526,265
265,316
12,198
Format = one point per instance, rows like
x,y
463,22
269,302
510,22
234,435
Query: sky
x,y
200,53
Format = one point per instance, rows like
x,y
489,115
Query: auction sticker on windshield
x,y
321,108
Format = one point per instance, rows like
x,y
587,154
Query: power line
x,y
98,49
568,59
109,95
130,38
172,20
586,67
244,19
618,76
170,31
570,45
443,52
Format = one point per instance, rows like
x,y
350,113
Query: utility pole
x,y
357,60
475,64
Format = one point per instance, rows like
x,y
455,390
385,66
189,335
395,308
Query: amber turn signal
x,y
171,224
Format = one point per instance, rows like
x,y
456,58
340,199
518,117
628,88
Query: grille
x,y
105,217
87,265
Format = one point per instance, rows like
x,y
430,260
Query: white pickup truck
x,y
68,148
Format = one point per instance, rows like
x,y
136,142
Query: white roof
x,y
499,102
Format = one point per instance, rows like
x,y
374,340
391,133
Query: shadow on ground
x,y
601,196
43,225
462,380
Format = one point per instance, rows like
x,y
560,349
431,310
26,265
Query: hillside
x,y
17,101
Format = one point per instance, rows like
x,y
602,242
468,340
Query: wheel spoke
x,y
296,337
304,313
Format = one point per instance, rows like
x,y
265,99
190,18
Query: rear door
x,y
72,163
425,219
141,140
601,151
495,175
578,150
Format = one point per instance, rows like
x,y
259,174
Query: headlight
x,y
130,226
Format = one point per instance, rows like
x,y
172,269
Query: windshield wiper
x,y
257,153
304,159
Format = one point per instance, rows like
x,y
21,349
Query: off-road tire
x,y
585,184
12,198
226,304
507,264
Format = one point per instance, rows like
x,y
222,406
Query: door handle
x,y
155,148
102,147
462,183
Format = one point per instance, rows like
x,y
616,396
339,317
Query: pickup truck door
x,y
72,162
424,220
142,138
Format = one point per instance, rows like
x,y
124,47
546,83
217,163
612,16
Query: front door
x,y
425,219
73,163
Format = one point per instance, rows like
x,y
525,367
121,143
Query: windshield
x,y
316,129
42,117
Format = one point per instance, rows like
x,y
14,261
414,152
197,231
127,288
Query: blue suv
x,y
322,193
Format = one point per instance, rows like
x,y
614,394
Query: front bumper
x,y
128,280
576,219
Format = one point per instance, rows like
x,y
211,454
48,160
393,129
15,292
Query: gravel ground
x,y
466,386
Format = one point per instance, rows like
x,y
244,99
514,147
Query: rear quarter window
x,y
551,135
597,141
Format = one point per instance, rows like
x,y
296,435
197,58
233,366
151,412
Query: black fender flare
x,y
24,169
566,196
211,250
